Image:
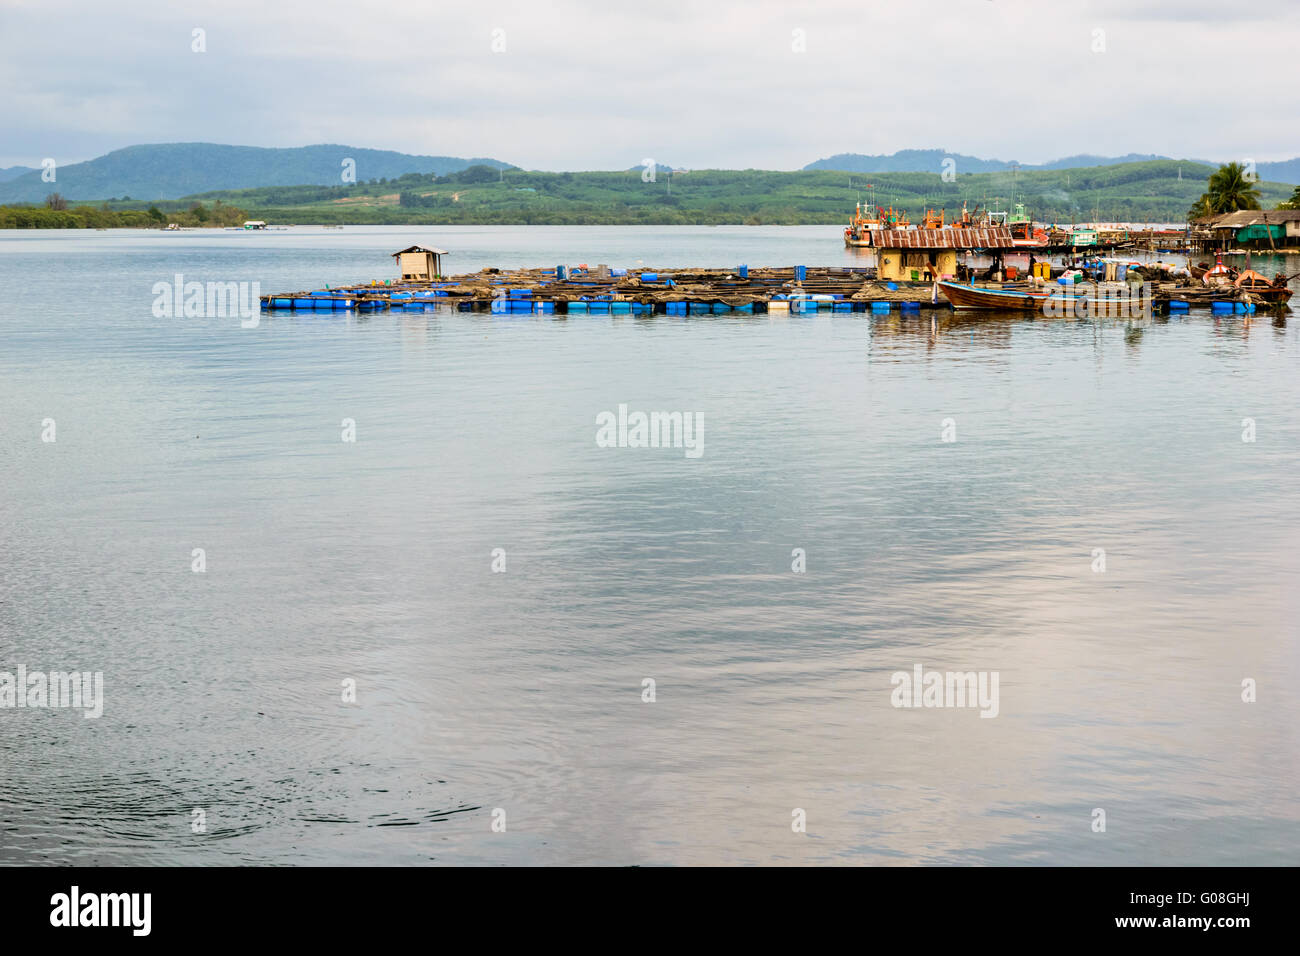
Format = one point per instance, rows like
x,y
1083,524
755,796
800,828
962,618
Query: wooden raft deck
x,y
603,291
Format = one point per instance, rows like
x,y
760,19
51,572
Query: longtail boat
x,y
971,297
1274,292
1094,300
1220,275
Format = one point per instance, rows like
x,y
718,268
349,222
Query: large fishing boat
x,y
868,220
1023,232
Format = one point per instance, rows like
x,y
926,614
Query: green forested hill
x,y
1145,191
172,170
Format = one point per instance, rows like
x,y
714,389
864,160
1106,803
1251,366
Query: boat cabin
x,y
419,263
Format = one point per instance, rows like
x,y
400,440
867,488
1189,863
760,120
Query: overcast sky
x,y
604,85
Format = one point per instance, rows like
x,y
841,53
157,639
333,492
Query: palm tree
x,y
1232,188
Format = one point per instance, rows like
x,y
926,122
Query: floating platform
x,y
685,292
603,291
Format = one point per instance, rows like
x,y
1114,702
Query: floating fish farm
x,y
605,291
685,292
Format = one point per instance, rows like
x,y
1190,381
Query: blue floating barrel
x,y
891,286
1221,307
559,273
910,306
649,277
744,271
282,303
1180,305
620,307
880,307
801,272
577,307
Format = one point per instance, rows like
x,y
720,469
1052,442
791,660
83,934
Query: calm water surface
x,y
330,561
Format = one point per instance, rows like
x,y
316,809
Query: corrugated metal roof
x,y
974,237
1255,217
437,252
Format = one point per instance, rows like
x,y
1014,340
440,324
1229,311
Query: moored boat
x,y
1023,232
1274,291
868,220
973,297
1220,275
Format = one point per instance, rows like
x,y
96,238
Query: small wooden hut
x,y
419,263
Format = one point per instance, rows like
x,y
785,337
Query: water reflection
x,y
523,690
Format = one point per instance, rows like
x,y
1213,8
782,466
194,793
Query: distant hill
x,y
1286,171
660,167
1087,159
172,170
931,161
908,161
1133,192
13,172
